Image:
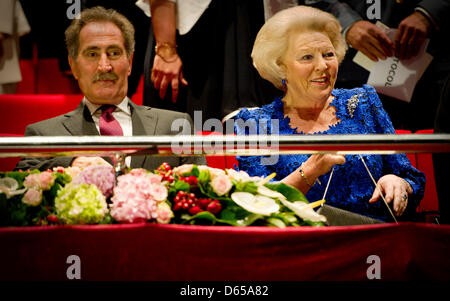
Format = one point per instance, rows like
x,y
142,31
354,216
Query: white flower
x,y
258,204
9,187
241,176
164,213
304,211
181,170
221,184
215,172
263,190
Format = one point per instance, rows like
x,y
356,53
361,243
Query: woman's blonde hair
x,y
272,40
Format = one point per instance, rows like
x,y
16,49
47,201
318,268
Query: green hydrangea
x,y
80,204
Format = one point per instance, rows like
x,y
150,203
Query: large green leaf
x,y
292,194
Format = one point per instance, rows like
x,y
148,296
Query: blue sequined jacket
x,y
360,112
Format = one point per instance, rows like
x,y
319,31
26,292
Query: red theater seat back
x,y
19,110
213,160
411,156
430,201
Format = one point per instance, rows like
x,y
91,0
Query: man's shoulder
x,y
51,126
48,122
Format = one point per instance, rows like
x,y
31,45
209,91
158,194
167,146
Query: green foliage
x,y
292,194
250,187
13,212
179,186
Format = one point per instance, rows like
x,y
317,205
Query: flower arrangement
x,y
188,194
27,198
209,196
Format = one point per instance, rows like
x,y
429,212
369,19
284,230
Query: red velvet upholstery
x,y
28,83
157,252
430,202
213,161
50,80
411,156
19,110
219,161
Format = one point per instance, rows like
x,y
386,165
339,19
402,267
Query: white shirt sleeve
x,y
187,12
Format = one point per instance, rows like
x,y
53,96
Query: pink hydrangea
x,y
136,197
101,176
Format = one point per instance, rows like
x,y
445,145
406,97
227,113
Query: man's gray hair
x,y
99,14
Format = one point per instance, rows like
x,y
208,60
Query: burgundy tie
x,y
109,126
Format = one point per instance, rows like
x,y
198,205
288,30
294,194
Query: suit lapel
x,y
144,124
143,119
79,122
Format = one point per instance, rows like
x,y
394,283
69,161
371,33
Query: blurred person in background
x,y
415,20
13,24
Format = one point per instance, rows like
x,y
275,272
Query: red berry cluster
x,y
188,202
191,180
53,218
166,171
58,169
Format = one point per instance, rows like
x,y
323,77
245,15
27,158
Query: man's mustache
x,y
104,76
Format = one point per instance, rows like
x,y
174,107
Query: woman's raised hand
x,y
320,164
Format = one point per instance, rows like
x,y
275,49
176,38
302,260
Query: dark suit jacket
x,y
146,122
392,13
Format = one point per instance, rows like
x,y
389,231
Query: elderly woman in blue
x,y
299,50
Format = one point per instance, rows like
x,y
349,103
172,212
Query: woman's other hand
x,y
168,72
396,190
318,165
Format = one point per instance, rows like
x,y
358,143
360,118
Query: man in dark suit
x,y
101,45
415,20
